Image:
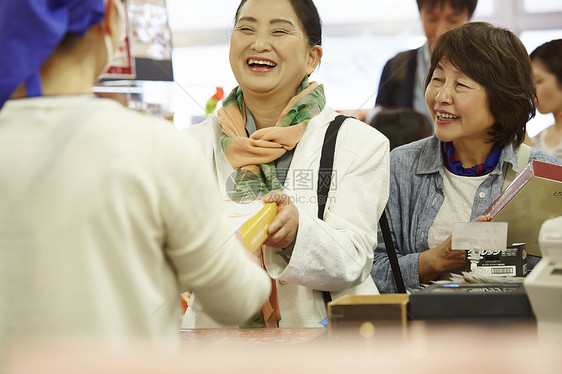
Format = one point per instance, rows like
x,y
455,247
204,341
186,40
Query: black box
x,y
455,301
512,262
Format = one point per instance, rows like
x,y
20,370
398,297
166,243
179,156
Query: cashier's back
x,y
106,215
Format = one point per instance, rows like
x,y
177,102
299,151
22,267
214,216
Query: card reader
x,y
544,284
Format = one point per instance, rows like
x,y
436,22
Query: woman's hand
x,y
436,261
283,229
484,218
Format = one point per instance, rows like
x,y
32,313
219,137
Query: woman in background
x,y
480,94
547,69
268,137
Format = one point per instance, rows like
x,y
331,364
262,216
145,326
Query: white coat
x,y
334,254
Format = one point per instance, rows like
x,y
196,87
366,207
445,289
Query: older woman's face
x,y
549,90
269,51
458,105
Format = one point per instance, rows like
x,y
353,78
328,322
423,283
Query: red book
x,y
534,196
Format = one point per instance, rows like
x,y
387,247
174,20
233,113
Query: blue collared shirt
x,y
416,194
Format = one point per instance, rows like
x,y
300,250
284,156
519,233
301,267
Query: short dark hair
x,y
402,126
308,17
496,59
457,5
550,54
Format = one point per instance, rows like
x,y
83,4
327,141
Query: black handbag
x,y
324,182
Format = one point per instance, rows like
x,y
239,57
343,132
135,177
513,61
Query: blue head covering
x,y
30,30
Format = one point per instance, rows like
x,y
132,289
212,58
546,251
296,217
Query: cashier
x,y
106,215
480,94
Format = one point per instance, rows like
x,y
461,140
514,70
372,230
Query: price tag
x,y
480,235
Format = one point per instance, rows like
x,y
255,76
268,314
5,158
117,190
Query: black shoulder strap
x,y
325,173
391,252
324,182
326,163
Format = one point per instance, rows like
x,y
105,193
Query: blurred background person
x,y
402,126
402,80
547,70
106,214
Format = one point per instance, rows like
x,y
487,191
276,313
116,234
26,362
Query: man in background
x,y
402,79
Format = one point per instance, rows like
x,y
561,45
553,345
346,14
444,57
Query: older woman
x,y
269,135
479,91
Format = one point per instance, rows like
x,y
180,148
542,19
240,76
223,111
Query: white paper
x,y
479,235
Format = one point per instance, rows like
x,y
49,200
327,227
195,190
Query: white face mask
x,y
107,38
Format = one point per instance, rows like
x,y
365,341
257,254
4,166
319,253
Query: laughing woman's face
x,y
269,51
458,106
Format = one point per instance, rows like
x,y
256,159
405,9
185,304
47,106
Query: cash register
x,y
544,284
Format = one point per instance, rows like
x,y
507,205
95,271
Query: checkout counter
x,y
533,303
380,341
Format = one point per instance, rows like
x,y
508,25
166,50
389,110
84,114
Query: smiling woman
x,y
451,97
269,135
270,53
479,91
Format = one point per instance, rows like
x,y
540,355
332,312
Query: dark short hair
x,y
457,5
496,59
550,54
308,17
402,126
